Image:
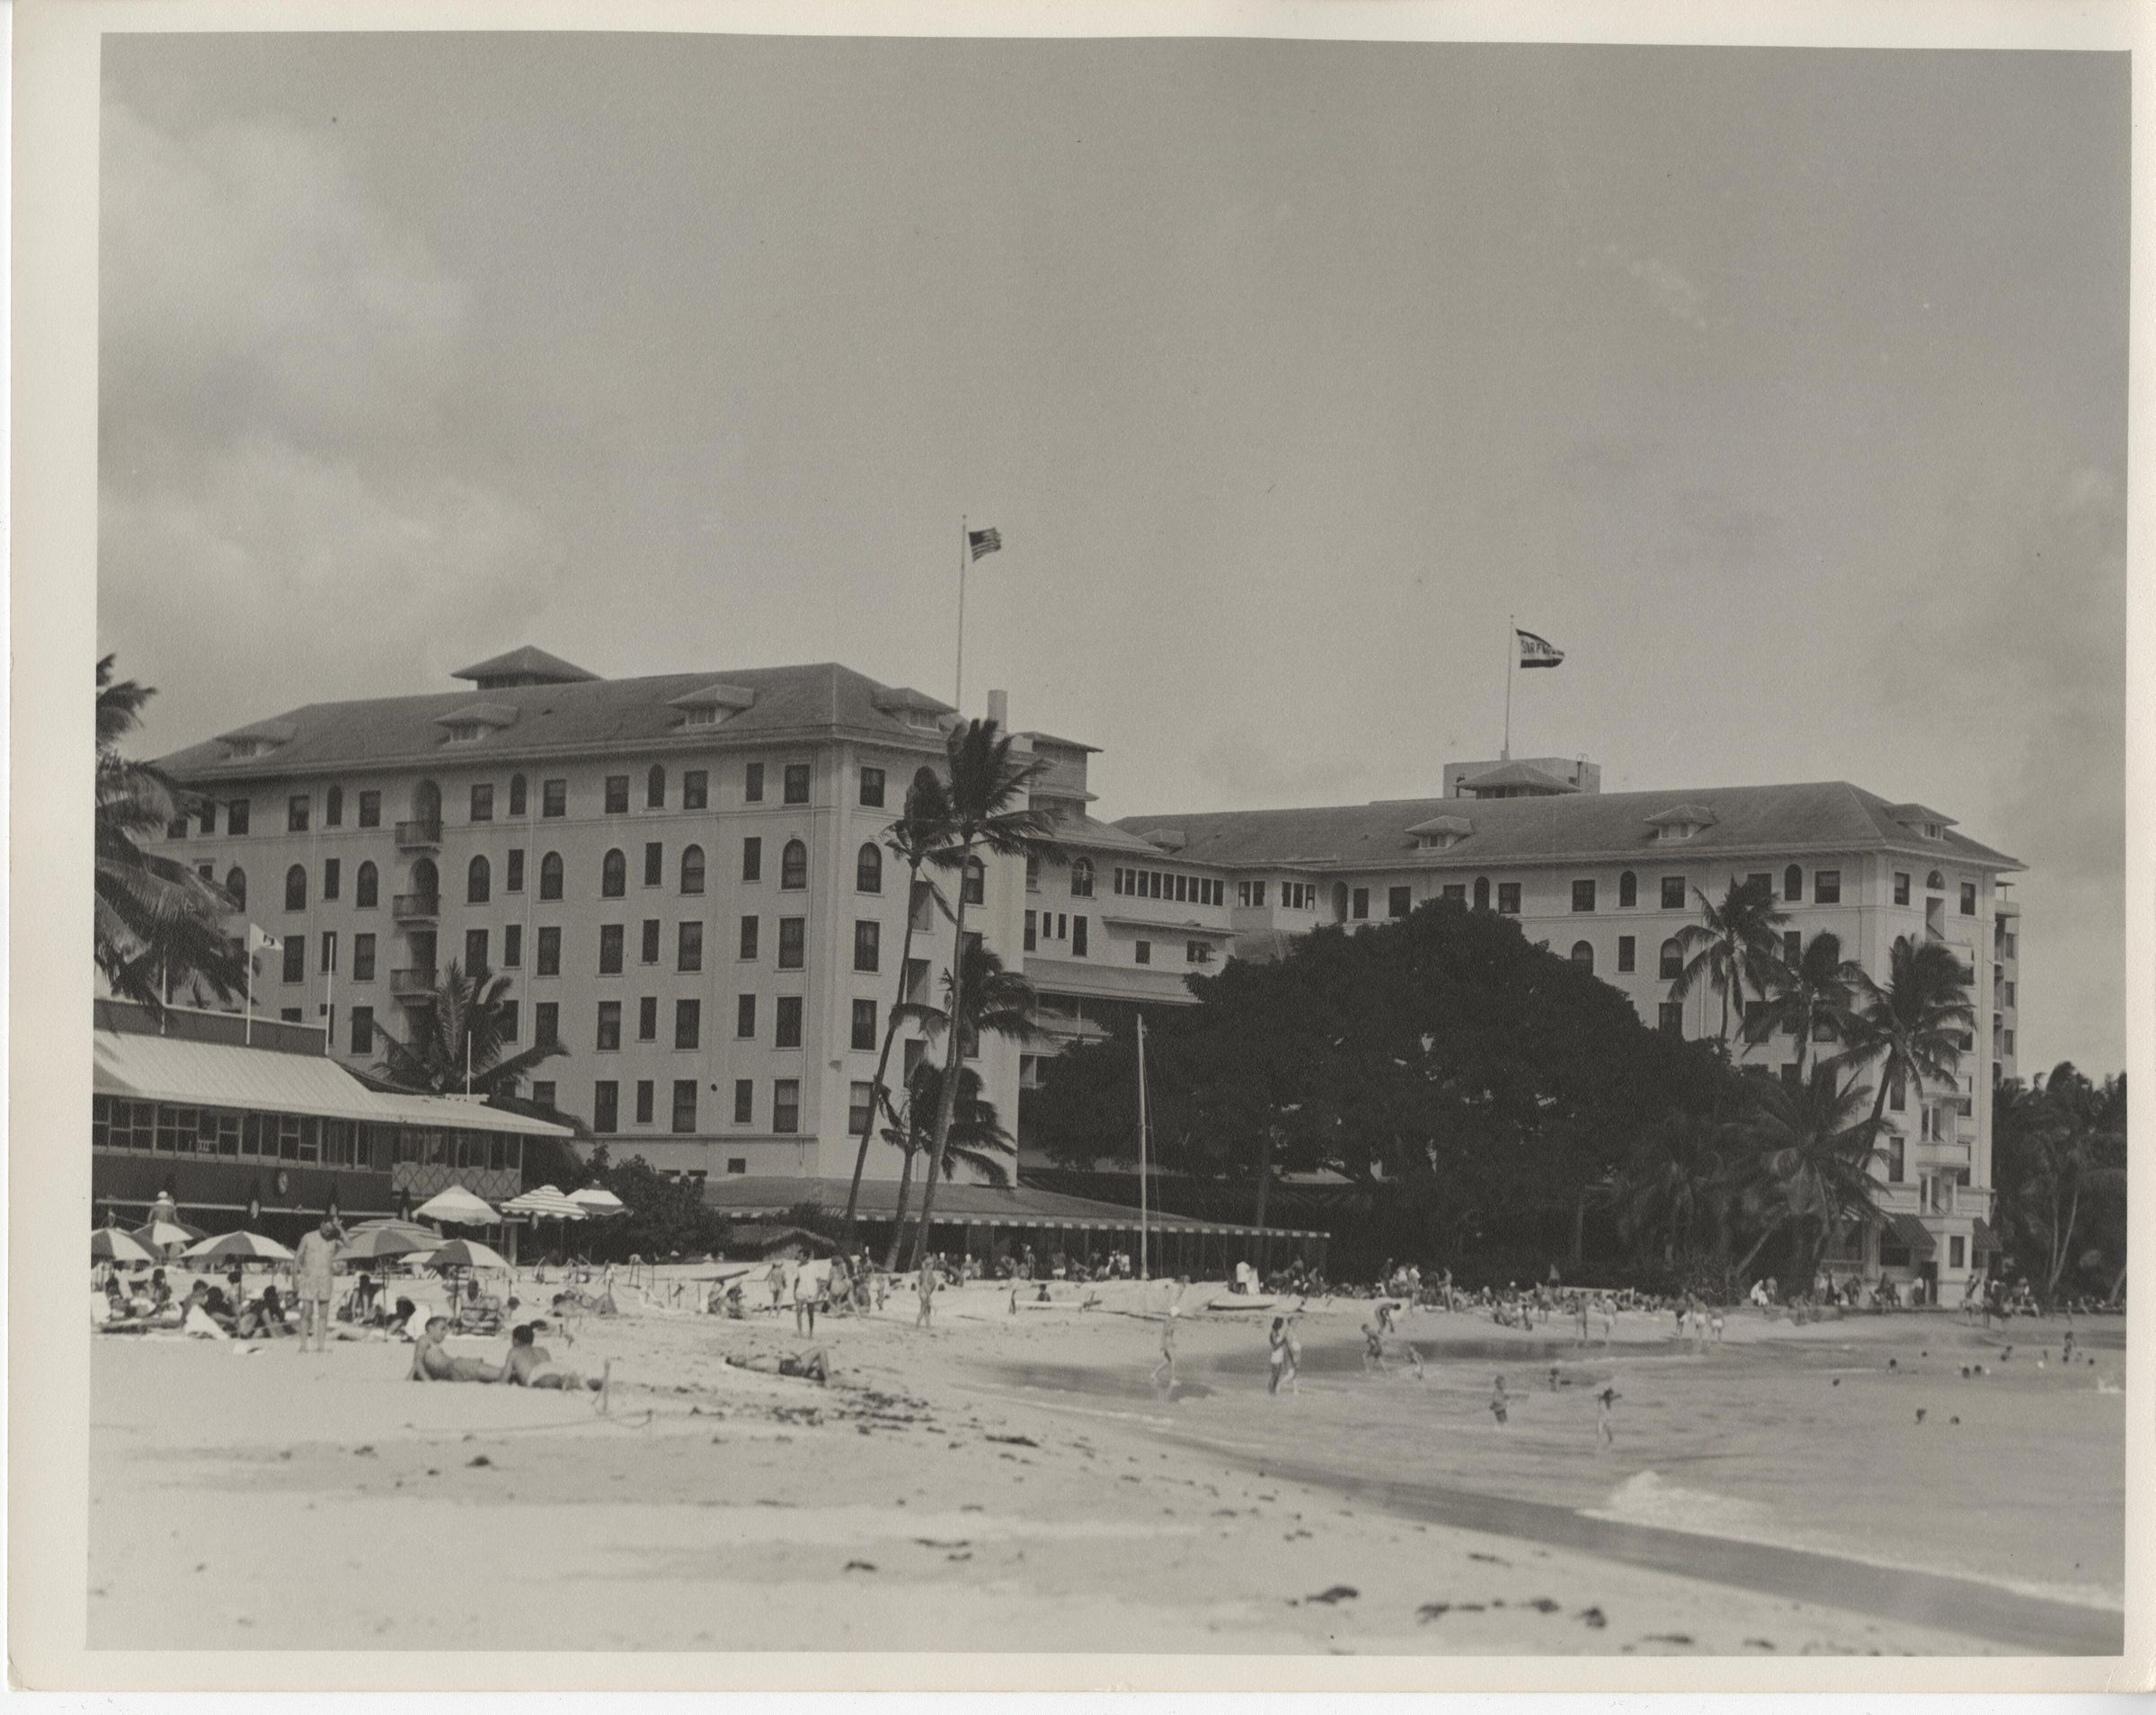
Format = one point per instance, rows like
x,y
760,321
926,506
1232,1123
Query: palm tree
x,y
158,925
2063,1139
1815,1148
914,838
1678,1186
1732,948
997,1003
1910,1032
1817,990
976,1139
463,1041
990,812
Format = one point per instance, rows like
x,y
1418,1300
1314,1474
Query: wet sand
x,y
1014,1483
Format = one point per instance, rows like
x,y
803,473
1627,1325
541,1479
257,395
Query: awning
x,y
210,1074
961,1206
1907,1229
1986,1241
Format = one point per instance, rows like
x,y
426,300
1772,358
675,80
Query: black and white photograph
x,y
1153,846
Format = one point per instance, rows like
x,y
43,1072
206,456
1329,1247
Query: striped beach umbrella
x,y
236,1247
596,1200
546,1203
378,1240
457,1208
109,1244
468,1253
165,1235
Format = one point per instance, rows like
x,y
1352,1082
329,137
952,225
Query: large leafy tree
x,y
990,814
462,1038
1732,948
159,926
1677,1193
1908,1031
1810,999
1814,1145
2059,1151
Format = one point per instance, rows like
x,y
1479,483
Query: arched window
x,y
332,811
973,890
296,888
1792,882
1936,881
550,875
692,869
1672,958
613,876
1628,889
793,865
516,795
367,887
654,787
868,869
235,886
478,882
1081,878
1583,953
1482,892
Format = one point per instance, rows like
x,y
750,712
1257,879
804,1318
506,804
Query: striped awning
x,y
546,1203
1986,1241
1907,1229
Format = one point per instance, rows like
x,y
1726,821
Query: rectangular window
x,y
647,1019
609,1024
1792,947
617,794
872,788
753,859
609,949
513,881
654,862
362,958
785,1028
1359,907
868,943
239,812
865,1025
798,783
785,1105
2010,1044
474,953
1956,1253
542,1094
744,1017
482,803
295,958
1078,937
689,947
644,1101
688,1023
546,1023
696,789
752,782
1242,893
1901,888
744,1101
553,797
973,882
362,1030
1672,1017
296,814
1897,1160
606,1105
1457,891
512,946
860,1109
648,946
550,952
1968,898
1508,898
792,943
1582,895
1628,953
748,936
332,877
1142,952
1826,887
1792,1075
1031,940
1399,901
685,1104
1672,893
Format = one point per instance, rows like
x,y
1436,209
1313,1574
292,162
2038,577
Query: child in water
x,y
1604,1426
1281,1355
1499,1405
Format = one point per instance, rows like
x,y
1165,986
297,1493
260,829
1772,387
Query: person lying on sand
x,y
431,1363
530,1365
812,1365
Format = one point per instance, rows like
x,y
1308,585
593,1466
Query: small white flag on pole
x,y
260,940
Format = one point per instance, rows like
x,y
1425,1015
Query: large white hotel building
x,y
684,877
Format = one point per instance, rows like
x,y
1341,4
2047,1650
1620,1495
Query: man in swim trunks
x,y
812,1365
530,1365
431,1363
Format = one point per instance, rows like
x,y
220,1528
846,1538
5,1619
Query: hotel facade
x,y
683,876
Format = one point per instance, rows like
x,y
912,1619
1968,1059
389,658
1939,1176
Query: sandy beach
x,y
1014,1480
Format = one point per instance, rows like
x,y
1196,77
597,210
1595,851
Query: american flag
x,y
984,542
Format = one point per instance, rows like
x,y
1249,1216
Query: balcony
x,y
415,908
416,984
419,836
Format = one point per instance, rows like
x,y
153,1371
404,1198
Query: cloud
x,y
1666,287
281,369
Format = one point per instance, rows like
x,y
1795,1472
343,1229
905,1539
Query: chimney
x,y
999,709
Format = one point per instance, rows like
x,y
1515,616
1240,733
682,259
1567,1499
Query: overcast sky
x,y
1784,390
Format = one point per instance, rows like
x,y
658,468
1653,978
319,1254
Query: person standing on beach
x,y
1281,1356
805,1301
1166,1366
317,1266
925,1315
1603,1426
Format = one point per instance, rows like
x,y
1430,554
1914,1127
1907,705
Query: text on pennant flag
x,y
1536,652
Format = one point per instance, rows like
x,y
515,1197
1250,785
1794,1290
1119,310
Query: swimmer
x,y
1500,1406
1373,1349
1603,1426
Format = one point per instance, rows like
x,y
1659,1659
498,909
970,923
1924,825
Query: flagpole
x,y
1512,655
251,986
959,695
1144,1217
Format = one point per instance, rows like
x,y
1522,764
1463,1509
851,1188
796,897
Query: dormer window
x,y
466,731
713,705
258,739
474,721
1441,833
1681,822
703,717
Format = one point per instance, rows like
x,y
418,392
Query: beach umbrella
x,y
236,1247
163,1235
468,1253
109,1244
457,1208
381,1239
596,1200
545,1203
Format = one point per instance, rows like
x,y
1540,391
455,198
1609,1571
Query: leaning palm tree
x,y
914,838
463,1041
1815,1148
1811,998
996,1002
976,1139
158,926
991,814
1731,948
1909,1031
